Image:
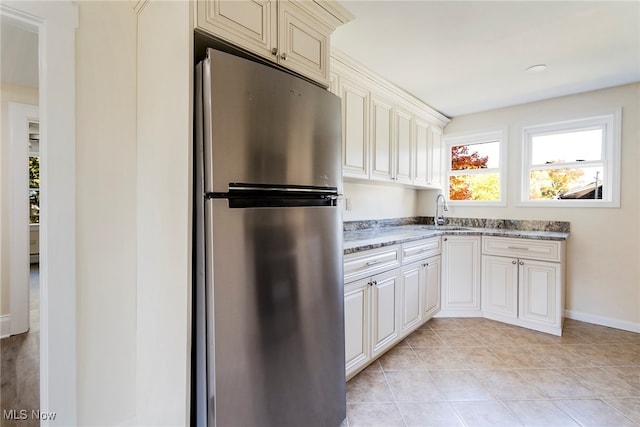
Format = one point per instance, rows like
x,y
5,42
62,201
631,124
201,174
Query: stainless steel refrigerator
x,y
268,292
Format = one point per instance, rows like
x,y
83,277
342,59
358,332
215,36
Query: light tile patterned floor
x,y
477,372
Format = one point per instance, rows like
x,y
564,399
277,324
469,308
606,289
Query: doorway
x,y
54,25
20,212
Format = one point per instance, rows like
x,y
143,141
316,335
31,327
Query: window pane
x,y
34,206
34,189
566,147
566,184
34,172
484,186
475,156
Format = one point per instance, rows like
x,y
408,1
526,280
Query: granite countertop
x,y
371,238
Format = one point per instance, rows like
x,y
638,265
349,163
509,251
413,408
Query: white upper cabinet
x,y
249,24
405,135
422,140
303,42
381,139
294,34
403,164
355,129
436,153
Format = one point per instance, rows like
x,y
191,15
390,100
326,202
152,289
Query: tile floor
x,y
450,372
20,364
477,372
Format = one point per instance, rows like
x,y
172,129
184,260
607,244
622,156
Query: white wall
x,y
106,212
378,201
603,251
24,95
165,139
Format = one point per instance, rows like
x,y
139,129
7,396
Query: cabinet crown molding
x,y
341,60
335,9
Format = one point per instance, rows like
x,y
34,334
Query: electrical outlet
x,y
347,204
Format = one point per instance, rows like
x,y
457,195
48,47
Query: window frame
x,y
471,138
610,123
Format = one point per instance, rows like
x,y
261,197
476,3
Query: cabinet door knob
x,y
513,262
283,55
445,239
274,51
521,263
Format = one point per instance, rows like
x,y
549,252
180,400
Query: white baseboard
x,y
5,325
603,321
459,313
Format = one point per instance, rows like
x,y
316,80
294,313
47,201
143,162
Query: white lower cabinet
x,y
411,295
499,286
526,288
371,318
356,324
383,302
384,311
419,293
461,276
432,273
541,292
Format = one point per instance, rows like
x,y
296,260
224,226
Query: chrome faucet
x,y
439,219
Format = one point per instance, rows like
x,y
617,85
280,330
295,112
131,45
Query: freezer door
x,y
275,312
262,125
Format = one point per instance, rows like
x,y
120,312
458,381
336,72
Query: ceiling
x,y
19,50
459,57
462,57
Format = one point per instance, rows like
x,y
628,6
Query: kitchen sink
x,y
446,227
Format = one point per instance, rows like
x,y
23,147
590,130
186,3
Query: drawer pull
x,y
518,248
374,262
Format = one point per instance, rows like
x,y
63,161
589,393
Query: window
x,y
34,173
475,168
573,163
34,189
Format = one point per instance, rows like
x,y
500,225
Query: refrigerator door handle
x,y
284,189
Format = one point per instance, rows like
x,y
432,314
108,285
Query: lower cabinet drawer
x,y
544,250
367,263
414,251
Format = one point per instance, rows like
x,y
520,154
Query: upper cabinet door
x,y
403,144
295,34
303,42
247,23
355,129
422,134
381,139
436,152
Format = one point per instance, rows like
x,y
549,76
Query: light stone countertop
x,y
371,238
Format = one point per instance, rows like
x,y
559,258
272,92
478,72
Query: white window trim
x,y
478,137
612,122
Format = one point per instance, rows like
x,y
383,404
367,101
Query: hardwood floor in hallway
x,y
20,366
